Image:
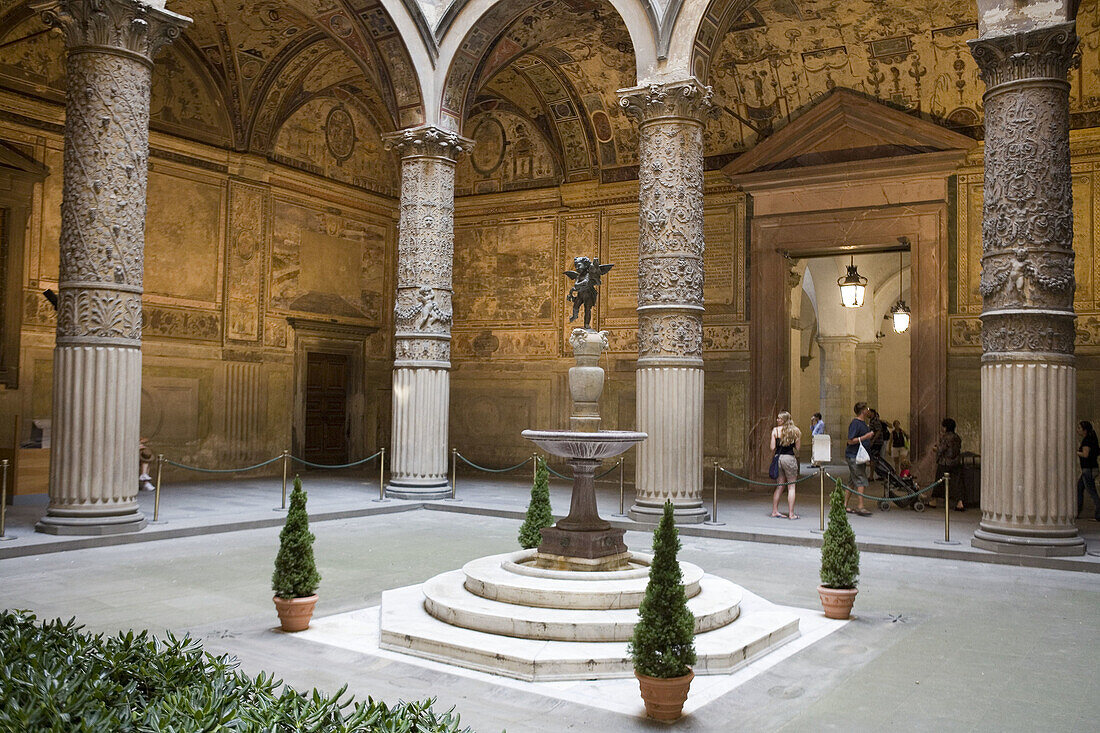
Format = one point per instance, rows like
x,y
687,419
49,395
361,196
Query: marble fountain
x,y
565,610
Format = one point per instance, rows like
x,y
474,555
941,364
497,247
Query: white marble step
x,y
446,598
405,626
502,578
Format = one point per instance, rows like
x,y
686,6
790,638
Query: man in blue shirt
x,y
817,425
858,432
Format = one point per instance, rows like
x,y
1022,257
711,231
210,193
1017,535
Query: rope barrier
x,y
890,499
470,463
222,470
765,483
304,462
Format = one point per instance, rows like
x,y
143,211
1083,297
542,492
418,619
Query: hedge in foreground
x,y
56,678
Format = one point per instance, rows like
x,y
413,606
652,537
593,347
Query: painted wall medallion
x,y
340,133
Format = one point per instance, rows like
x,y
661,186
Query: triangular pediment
x,y
12,159
846,126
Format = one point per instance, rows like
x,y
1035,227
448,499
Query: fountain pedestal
x,y
582,541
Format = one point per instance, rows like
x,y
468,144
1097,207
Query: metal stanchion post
x,y
534,468
454,472
947,512
156,495
4,501
286,467
713,521
821,498
381,474
621,507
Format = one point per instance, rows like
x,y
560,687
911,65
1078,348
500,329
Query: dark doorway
x,y
326,408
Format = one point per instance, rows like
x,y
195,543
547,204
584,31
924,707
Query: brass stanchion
x,y
713,521
947,512
286,467
381,474
821,491
156,494
4,501
621,500
454,472
534,468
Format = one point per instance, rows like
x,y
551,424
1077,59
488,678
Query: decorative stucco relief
x,y
246,250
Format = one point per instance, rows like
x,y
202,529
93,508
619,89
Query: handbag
x,y
773,470
862,456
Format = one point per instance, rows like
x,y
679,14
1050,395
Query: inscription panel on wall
x,y
182,238
325,263
724,258
622,249
504,272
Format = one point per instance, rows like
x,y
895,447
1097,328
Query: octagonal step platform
x,y
502,615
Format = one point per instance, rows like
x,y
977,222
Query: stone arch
x,y
467,35
696,32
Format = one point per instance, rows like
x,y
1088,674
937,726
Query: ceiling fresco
x,y
556,65
779,56
244,68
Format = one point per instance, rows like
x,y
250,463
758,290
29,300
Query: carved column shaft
x,y
423,311
670,298
97,359
1027,284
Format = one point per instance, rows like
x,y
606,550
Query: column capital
x,y
132,27
1042,53
427,141
688,99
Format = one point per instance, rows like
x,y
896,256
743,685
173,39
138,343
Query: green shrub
x,y
839,554
664,639
56,678
538,511
296,573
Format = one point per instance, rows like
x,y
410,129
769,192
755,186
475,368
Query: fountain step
x,y
408,628
446,598
509,578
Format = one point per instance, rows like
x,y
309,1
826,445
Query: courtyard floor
x,y
945,637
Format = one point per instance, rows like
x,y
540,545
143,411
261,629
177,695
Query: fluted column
x,y
97,360
1028,371
670,298
422,312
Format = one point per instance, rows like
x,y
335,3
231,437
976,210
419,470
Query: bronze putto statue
x,y
587,273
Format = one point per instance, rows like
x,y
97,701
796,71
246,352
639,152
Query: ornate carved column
x,y
1029,378
422,312
97,360
670,297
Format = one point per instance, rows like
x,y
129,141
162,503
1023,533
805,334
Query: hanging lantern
x,y
853,286
900,311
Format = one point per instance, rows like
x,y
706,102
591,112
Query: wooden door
x,y
326,408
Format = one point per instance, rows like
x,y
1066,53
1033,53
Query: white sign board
x,y
823,449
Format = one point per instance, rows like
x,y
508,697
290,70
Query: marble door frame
x,y
860,212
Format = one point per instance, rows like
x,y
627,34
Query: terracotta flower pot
x,y
295,613
837,602
664,697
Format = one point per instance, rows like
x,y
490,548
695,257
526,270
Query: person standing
x,y
877,441
817,425
1088,453
145,457
859,433
899,448
948,451
786,442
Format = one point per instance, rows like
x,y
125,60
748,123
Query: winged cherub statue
x,y
587,273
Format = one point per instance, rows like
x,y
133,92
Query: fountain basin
x,y
585,446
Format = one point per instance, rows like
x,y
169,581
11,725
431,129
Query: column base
x,y
651,514
1033,546
95,526
418,492
583,544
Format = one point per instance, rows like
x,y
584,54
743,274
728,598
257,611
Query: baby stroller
x,y
894,486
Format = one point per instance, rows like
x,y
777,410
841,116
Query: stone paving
x,y
206,507
936,644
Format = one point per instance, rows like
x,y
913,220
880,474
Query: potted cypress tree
x,y
663,645
296,578
839,561
538,511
